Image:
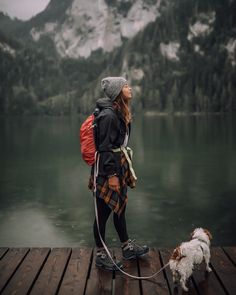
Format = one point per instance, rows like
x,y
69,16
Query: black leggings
x,y
104,212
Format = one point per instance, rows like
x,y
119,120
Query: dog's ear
x,y
208,233
176,255
191,235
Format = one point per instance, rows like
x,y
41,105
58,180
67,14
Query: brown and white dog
x,y
191,253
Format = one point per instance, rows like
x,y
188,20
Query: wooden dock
x,y
73,271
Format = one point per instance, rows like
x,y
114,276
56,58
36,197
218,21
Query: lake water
x,y
186,168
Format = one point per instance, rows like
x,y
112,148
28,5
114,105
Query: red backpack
x,y
89,137
87,143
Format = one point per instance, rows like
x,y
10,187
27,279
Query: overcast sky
x,y
23,9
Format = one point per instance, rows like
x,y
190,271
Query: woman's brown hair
x,y
122,105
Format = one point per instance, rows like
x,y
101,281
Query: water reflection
x,y
25,224
186,178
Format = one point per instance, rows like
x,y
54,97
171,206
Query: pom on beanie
x,y
112,86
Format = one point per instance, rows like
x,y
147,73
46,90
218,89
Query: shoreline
x,y
183,114
144,113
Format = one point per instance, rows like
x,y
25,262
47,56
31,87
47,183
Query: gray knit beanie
x,y
112,86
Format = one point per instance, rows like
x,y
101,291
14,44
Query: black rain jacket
x,y
109,134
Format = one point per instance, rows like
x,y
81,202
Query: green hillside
x,y
200,78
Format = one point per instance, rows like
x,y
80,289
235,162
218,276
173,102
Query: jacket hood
x,y
104,102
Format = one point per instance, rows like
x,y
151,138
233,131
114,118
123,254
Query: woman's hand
x,y
114,183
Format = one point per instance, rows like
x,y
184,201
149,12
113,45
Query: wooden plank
x,y
24,277
22,269
175,289
224,269
74,280
125,285
207,283
3,250
231,251
99,281
9,263
148,265
52,272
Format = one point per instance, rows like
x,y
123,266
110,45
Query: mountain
x,y
79,27
9,25
185,61
28,76
179,56
83,26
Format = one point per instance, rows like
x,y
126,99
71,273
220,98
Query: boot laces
x,y
103,254
132,245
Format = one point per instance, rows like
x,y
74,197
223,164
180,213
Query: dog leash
x,y
96,165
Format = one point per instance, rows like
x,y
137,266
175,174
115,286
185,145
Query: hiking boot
x,y
104,261
132,250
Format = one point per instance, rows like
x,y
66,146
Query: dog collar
x,y
201,241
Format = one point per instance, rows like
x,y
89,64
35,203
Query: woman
x,y
114,168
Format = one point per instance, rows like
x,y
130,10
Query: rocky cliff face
x,y
89,25
179,55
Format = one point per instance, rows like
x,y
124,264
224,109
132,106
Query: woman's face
x,y
127,91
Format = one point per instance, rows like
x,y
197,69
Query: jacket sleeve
x,y
107,135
